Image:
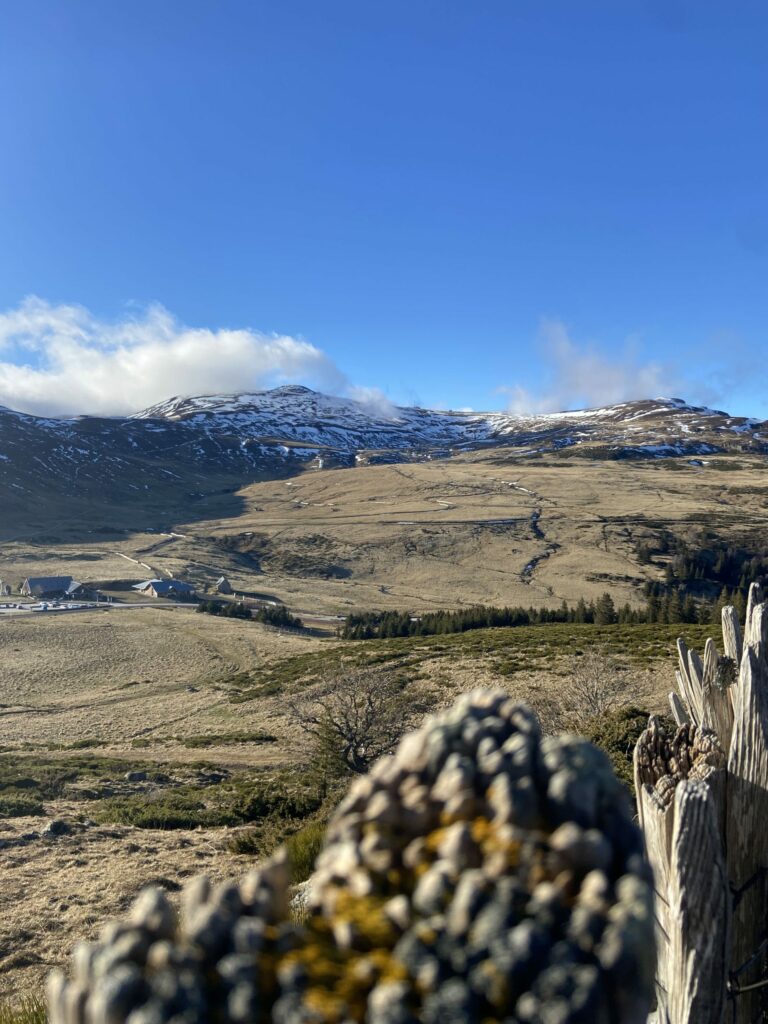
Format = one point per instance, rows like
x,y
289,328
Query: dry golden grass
x,y
428,535
118,676
423,536
54,892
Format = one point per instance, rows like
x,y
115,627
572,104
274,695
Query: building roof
x,y
165,586
49,584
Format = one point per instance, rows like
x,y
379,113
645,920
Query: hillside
x,y
285,493
187,459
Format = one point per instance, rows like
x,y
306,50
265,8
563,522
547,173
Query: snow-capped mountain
x,y
185,450
344,425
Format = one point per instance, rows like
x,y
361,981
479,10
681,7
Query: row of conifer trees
x,y
664,605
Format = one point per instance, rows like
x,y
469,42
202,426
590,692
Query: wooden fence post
x,y
703,806
700,909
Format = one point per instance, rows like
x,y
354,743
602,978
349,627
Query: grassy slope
x,y
63,889
504,653
435,534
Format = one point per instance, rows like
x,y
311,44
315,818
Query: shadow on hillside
x,y
73,519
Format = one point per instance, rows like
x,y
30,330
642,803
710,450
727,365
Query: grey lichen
x,y
482,873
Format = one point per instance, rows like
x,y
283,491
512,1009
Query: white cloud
x,y
580,376
62,360
375,402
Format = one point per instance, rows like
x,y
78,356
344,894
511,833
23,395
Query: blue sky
x,y
459,203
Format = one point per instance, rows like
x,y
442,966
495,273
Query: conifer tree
x,y
604,611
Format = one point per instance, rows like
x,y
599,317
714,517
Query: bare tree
x,y
355,718
595,685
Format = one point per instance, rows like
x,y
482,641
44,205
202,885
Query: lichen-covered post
x,y
481,874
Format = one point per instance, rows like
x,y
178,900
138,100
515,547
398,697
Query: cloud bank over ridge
x,y
61,360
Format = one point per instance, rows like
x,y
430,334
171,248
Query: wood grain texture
x,y
754,598
716,701
690,687
704,814
699,910
657,817
756,630
732,641
664,764
679,712
747,796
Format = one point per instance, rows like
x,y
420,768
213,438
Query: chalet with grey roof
x,y
53,587
47,586
223,586
165,588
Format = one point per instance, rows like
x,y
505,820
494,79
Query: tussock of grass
x,y
247,844
302,842
30,1010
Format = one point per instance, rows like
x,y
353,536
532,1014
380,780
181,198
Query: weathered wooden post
x,y
703,805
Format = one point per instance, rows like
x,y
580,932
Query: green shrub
x,y
226,738
49,777
167,811
303,842
616,733
303,847
273,800
16,805
236,801
46,780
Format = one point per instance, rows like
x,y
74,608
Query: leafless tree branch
x,y
355,718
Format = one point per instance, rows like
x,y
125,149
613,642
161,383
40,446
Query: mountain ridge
x,y
186,450
185,406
